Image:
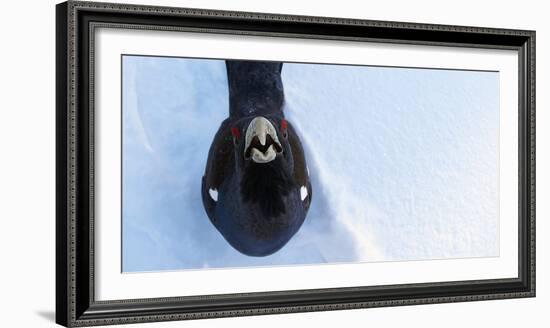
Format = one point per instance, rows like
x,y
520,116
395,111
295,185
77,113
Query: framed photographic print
x,y
215,163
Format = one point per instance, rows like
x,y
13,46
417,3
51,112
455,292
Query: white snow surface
x,y
403,163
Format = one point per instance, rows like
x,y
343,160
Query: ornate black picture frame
x,y
75,301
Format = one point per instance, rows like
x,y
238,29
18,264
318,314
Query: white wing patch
x,y
213,194
303,193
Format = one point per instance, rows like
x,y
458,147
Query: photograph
x,y
233,163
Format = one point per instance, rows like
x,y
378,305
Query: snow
x,y
403,163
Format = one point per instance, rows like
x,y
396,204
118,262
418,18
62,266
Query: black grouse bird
x,y
256,188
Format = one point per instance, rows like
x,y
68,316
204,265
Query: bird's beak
x,y
261,142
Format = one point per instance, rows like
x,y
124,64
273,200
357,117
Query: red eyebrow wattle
x,y
283,124
235,132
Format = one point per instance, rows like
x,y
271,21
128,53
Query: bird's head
x,y
256,188
264,161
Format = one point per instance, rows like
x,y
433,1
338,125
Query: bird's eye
x,y
283,128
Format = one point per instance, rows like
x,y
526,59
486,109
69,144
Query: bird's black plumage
x,y
256,189
267,185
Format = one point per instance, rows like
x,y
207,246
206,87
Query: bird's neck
x,y
255,88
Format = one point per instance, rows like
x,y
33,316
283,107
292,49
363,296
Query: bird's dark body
x,y
256,203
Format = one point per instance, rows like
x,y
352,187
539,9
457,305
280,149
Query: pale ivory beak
x,y
268,156
261,127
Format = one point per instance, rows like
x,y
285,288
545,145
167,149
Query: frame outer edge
x,y
533,180
71,137
197,12
62,157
